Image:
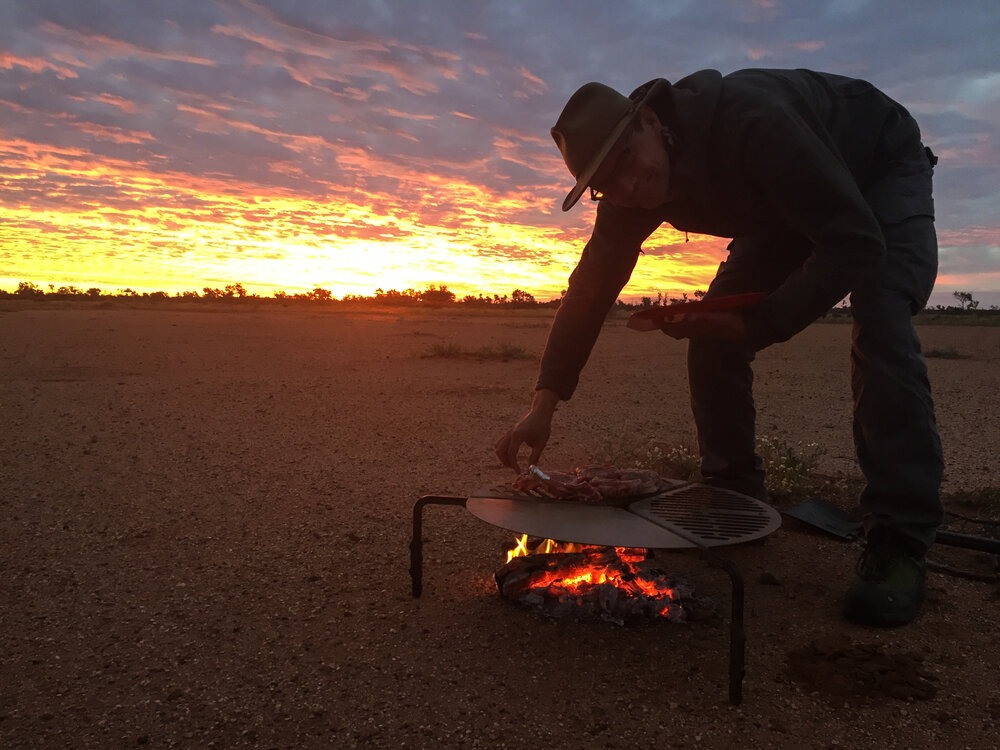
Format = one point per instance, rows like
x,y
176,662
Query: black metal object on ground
x,y
826,517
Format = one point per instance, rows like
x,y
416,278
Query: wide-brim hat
x,y
590,125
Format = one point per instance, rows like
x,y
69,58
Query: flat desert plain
x,y
206,526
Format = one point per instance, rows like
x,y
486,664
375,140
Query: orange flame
x,y
545,547
576,578
551,546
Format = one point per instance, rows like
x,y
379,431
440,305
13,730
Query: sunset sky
x,y
287,144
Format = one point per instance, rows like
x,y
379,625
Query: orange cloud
x,y
117,102
110,133
175,232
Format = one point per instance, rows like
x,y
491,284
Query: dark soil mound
x,y
858,672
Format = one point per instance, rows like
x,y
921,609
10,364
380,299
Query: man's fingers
x,y
502,449
536,453
515,445
506,450
674,332
642,324
678,326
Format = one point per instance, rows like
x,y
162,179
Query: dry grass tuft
x,y
503,352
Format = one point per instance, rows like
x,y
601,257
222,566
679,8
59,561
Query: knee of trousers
x,y
712,360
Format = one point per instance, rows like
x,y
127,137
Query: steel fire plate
x,y
687,515
573,522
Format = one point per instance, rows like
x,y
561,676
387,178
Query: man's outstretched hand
x,y
533,430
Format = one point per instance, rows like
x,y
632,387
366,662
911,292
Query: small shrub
x,y
624,447
984,499
789,468
628,448
442,350
504,352
944,353
678,462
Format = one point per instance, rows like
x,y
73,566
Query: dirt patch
x,y
859,672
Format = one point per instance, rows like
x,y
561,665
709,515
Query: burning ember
x,y
616,584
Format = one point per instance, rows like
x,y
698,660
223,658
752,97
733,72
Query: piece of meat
x,y
593,484
525,482
560,484
616,488
580,489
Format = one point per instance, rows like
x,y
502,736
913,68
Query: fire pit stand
x,y
685,515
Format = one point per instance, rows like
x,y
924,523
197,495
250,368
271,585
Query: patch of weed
x,y
628,448
983,499
790,469
944,353
503,352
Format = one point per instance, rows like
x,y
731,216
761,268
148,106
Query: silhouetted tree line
x,y
432,296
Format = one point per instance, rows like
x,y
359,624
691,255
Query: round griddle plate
x,y
685,515
572,522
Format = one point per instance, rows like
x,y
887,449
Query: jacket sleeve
x,y
809,191
602,272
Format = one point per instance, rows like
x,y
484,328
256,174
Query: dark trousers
x,y
895,433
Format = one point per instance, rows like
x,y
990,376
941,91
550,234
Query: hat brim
x,y
587,174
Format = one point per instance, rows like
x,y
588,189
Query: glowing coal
x,y
583,582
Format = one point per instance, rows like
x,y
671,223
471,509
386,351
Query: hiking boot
x,y
890,585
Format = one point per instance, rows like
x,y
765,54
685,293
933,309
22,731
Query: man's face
x,y
636,173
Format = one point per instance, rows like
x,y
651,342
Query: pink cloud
x,y
975,236
35,65
810,46
530,85
361,51
101,47
118,102
116,135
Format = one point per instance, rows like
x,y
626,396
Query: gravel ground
x,y
207,524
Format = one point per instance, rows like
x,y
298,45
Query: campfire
x,y
624,585
585,582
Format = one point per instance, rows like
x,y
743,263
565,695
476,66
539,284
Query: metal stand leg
x,y
417,542
737,632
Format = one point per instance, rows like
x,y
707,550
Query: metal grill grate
x,y
712,514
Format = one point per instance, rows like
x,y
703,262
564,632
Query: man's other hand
x,y
719,325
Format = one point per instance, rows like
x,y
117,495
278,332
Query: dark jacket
x,y
760,153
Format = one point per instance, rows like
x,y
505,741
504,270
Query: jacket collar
x,y
687,109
